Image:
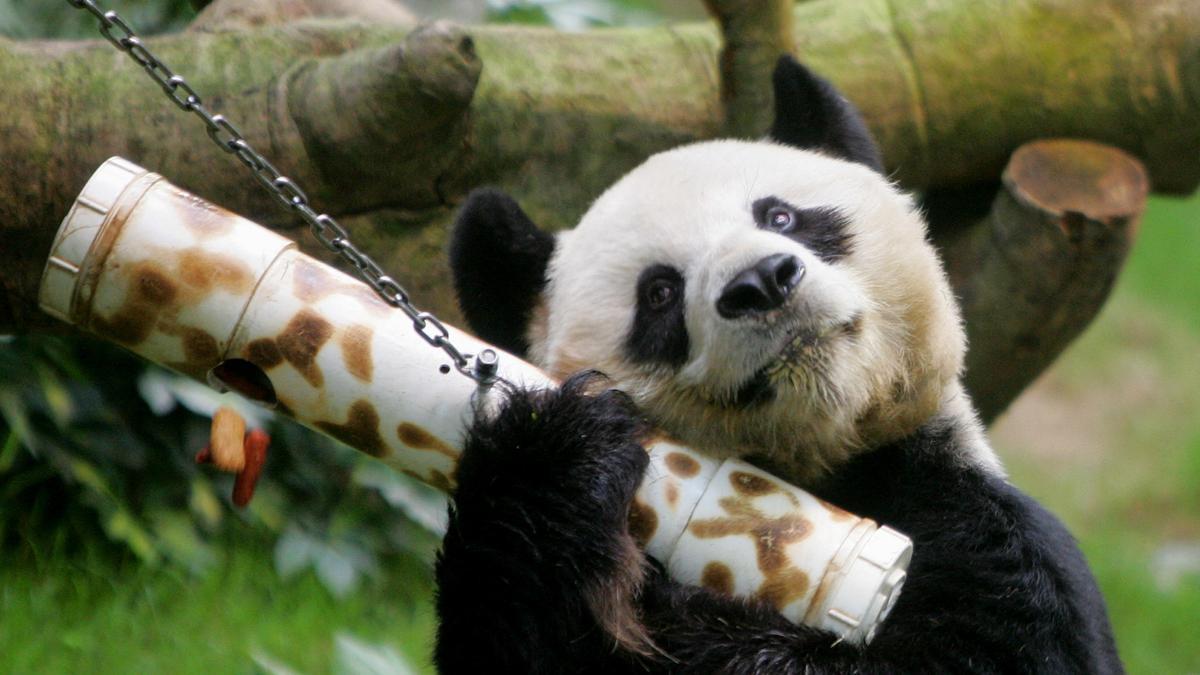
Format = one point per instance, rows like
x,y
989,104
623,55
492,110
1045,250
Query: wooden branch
x,y
1034,273
754,33
240,14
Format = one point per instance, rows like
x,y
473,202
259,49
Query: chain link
x,y
327,230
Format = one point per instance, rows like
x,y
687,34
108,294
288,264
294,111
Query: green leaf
x,y
8,452
356,657
58,397
16,416
204,504
271,665
293,552
87,475
176,535
421,503
122,526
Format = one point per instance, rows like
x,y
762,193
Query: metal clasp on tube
x,y
487,364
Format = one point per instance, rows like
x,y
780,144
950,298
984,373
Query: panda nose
x,y
762,287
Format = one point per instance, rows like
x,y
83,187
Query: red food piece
x,y
256,444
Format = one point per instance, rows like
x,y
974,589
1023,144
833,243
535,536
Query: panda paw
x,y
557,469
538,537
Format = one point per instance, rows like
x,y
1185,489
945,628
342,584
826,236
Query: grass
x,y
117,616
1109,440
1165,265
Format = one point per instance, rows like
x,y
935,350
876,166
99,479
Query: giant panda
x,y
776,300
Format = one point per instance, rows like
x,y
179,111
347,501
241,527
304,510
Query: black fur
x,y
821,229
811,114
996,584
499,259
539,521
658,334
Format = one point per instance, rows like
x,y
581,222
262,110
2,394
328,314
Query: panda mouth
x,y
801,362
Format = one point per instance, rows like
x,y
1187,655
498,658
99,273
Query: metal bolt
x,y
487,362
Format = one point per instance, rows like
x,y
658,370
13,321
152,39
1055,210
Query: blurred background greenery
x,y
118,554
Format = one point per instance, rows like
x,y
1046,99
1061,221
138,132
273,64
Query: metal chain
x,y
324,227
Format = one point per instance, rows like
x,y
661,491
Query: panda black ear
x,y
812,115
498,258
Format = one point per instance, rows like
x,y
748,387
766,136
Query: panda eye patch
x,y
658,333
820,228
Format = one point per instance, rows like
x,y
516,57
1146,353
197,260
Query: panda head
x,y
776,298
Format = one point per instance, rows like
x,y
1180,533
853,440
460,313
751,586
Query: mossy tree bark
x,y
754,34
386,126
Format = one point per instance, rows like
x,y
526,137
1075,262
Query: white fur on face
x,y
861,353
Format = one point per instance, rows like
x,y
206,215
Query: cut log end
x,y
1061,176
1036,271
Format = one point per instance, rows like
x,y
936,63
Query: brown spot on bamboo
x,y
672,494
360,430
151,292
771,535
205,271
152,286
200,348
129,325
643,522
440,481
356,351
681,465
751,485
419,439
300,341
263,353
783,588
718,577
